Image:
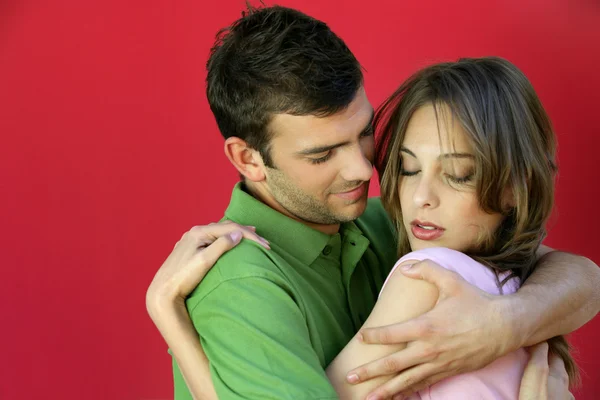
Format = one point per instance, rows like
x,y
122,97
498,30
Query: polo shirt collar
x,y
296,238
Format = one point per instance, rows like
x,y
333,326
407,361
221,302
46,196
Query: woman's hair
x,y
514,148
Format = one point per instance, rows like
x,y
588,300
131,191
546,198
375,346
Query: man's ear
x,y
245,159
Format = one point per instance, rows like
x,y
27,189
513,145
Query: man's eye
x,y
320,159
367,132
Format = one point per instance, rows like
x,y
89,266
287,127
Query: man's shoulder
x,y
376,225
375,221
374,209
248,261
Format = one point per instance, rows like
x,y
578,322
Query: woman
x,y
466,158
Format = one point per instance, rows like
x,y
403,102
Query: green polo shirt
x,y
270,321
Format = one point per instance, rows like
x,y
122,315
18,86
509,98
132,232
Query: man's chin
x,y
352,211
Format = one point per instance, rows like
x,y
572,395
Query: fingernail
x,y
407,267
236,236
373,397
360,337
251,227
353,378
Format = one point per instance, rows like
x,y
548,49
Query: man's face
x,y
322,166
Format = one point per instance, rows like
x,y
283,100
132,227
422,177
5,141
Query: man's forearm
x,y
559,297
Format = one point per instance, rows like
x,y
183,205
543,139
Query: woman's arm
x,y
401,299
558,298
175,326
183,270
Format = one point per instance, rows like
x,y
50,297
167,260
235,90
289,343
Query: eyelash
x,y
463,179
408,173
460,180
368,132
321,159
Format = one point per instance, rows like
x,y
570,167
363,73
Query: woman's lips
x,y
426,230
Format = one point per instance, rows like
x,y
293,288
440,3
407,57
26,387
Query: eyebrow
x,y
445,155
323,149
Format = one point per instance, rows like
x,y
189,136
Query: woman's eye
x,y
460,179
408,173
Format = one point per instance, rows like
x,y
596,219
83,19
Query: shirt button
x,y
327,250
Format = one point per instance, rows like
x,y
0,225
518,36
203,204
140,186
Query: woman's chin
x,y
416,244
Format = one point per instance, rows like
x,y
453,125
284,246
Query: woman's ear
x,y
245,159
508,198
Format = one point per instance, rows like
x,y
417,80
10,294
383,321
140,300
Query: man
x,y
288,97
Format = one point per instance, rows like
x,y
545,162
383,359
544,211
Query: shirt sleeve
x,y
256,339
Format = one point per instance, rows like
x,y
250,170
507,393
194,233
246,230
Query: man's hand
x,y
465,331
191,259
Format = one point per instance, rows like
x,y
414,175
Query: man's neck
x,y
262,194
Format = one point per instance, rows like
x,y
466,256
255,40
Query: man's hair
x,y
277,60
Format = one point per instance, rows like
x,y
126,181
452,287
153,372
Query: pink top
x,y
501,379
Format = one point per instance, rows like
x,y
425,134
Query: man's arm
x,y
257,341
558,298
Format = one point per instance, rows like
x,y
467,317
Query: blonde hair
x,y
514,147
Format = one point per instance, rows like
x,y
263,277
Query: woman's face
x,y
437,192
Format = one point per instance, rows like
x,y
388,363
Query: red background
x,y
109,153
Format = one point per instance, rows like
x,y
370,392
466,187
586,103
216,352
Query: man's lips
x,y
353,194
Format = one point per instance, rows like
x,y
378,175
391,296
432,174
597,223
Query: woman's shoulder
x,y
470,269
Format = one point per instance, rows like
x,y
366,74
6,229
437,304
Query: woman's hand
x,y
545,376
192,258
182,271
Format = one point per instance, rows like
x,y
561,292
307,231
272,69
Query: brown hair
x,y
514,148
277,60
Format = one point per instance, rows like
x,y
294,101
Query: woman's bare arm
x,y
401,299
182,271
175,326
